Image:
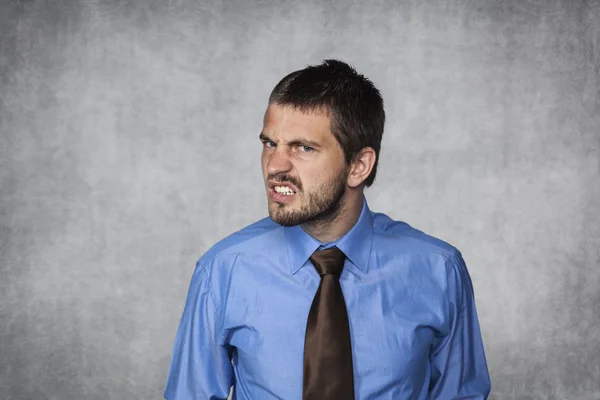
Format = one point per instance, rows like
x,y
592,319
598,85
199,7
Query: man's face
x,y
303,166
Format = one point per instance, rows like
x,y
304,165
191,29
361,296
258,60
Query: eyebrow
x,y
294,142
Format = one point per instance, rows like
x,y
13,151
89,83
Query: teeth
x,y
284,190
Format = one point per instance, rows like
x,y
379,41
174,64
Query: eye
x,y
306,149
268,143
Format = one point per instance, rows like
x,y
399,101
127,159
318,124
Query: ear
x,y
361,166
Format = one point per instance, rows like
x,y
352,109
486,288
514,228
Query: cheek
x,y
313,179
327,178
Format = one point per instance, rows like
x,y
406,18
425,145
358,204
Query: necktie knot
x,y
329,261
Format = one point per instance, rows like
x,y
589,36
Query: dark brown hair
x,y
354,104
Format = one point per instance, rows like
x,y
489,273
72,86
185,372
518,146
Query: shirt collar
x,y
356,243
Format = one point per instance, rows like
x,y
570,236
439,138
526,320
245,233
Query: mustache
x,y
286,178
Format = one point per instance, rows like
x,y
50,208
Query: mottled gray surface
x,y
129,145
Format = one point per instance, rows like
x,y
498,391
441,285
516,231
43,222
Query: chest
x,y
394,321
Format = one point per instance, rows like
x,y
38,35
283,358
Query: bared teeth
x,y
284,190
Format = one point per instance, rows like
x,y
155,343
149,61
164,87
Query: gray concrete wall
x,y
129,145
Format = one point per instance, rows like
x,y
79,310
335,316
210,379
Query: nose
x,y
278,161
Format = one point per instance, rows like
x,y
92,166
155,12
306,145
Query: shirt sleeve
x,y
200,364
458,365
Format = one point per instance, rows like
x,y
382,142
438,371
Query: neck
x,y
336,228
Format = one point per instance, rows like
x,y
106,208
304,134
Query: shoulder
x,y
215,267
252,238
428,254
410,240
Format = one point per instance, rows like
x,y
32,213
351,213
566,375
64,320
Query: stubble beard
x,y
321,206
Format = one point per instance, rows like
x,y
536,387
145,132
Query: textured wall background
x,y
129,145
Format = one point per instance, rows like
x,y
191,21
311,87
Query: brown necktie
x,y
327,349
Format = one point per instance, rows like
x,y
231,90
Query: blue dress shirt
x,y
413,322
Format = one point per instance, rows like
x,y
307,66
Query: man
x,y
326,299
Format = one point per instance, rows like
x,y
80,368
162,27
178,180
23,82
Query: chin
x,y
284,222
281,218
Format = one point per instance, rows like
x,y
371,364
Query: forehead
x,y
288,122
